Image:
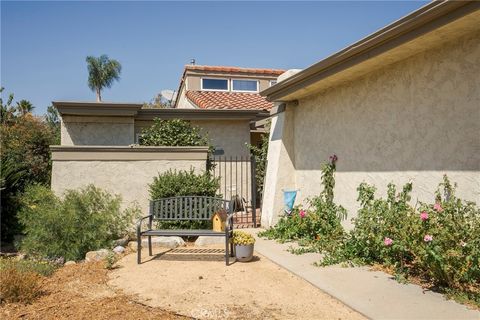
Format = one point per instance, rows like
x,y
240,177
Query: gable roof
x,y
228,100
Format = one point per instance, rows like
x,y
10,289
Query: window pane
x,y
244,85
215,84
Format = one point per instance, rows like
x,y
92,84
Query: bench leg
x,y
231,250
139,249
150,245
227,255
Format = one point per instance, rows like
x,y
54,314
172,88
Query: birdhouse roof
x,y
222,214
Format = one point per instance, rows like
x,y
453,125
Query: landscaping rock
x,y
208,240
98,255
164,242
70,263
132,245
118,249
121,242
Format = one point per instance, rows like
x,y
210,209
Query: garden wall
x,y
120,170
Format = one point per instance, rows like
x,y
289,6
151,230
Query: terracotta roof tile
x,y
228,100
276,72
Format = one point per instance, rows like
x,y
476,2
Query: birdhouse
x,y
219,219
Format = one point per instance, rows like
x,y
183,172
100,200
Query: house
x,y
226,88
98,139
400,105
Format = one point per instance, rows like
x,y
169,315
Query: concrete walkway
x,y
373,293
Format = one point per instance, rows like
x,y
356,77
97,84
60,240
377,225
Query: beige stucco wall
x,y
414,120
130,179
107,131
231,136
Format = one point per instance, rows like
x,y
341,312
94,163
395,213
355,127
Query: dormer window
x,y
214,84
244,85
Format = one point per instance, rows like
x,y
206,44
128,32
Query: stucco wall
x,y
106,131
129,178
414,120
231,136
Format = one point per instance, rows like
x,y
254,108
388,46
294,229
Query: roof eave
x,y
419,22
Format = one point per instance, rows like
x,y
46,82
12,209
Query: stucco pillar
x,y
280,169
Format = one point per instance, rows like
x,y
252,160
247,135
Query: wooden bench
x,y
185,208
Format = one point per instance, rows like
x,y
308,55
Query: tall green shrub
x,y
184,183
84,220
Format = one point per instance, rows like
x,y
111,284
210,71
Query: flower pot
x,y
244,253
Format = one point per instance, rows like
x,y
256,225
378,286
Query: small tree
x,y
102,72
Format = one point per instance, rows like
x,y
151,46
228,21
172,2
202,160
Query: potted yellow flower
x,y
243,242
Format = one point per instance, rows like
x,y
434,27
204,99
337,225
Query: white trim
x,y
214,78
246,79
270,82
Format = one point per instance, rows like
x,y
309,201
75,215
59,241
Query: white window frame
x,y
228,84
246,91
270,82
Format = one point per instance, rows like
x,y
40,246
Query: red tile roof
x,y
276,72
228,100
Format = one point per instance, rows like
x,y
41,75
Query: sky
x,y
44,44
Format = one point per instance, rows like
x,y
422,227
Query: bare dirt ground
x,y
195,282
81,292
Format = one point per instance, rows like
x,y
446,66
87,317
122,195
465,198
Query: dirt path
x,y
81,292
196,282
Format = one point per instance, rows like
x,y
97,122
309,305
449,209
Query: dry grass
x,y
18,286
81,292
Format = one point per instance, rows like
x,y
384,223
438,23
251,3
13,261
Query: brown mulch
x,y
81,292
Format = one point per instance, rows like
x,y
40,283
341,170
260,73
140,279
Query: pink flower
x,y
302,213
427,238
424,215
387,241
437,207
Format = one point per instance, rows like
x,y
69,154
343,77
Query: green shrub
x,y
174,132
184,183
84,220
317,225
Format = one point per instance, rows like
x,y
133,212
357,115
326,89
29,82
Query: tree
x,y
102,72
24,107
7,111
53,121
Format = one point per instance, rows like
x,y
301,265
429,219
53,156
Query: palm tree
x,y
24,107
102,72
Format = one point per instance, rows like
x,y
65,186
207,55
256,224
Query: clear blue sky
x,y
44,44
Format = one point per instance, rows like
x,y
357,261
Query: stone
x,y
98,255
119,249
132,245
121,242
164,242
209,240
70,263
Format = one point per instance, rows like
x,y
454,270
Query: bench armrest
x,y
229,222
139,223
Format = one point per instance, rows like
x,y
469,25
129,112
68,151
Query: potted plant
x,y
243,242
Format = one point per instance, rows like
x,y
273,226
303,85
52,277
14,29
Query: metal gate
x,y
237,181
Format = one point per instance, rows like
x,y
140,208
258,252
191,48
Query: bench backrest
x,y
187,207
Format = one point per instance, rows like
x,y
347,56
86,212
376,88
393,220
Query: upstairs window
x,y
245,85
214,84
273,82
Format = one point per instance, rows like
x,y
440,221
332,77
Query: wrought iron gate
x,y
237,181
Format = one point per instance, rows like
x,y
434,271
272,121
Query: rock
x,y
164,242
208,240
132,245
118,249
98,255
21,256
70,263
121,242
